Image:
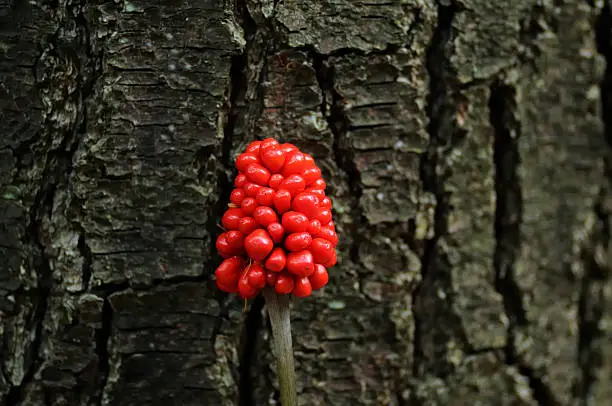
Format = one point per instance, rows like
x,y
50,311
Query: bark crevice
x,y
441,112
508,219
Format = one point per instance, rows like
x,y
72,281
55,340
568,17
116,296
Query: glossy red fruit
x,y
326,203
302,287
231,217
314,227
273,159
294,184
319,184
295,222
282,200
251,189
288,148
240,180
319,278
324,216
256,173
258,244
248,206
271,278
295,163
235,239
298,241
254,147
246,159
237,196
300,263
265,216
224,248
332,261
245,289
256,276
328,234
318,192
306,203
228,273
275,181
284,283
322,250
311,174
247,225
309,159
276,231
268,144
265,196
276,260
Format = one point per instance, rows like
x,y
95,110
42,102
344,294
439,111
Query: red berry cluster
x,y
278,229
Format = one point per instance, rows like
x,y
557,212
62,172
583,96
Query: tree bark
x,y
466,145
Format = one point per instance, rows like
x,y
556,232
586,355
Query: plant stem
x,y
278,309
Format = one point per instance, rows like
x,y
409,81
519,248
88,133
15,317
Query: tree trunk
x,y
466,146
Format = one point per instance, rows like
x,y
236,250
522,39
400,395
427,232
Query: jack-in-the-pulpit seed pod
x,y
278,229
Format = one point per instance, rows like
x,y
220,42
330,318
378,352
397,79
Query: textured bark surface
x,y
466,144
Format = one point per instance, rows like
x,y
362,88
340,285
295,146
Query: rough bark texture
x,y
467,148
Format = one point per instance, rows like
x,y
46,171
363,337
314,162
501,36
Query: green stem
x,y
278,309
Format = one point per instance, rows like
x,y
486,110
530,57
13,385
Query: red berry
x,y
282,200
235,239
294,184
256,276
295,222
265,196
228,273
332,261
265,216
246,290
314,227
276,231
254,147
318,184
240,180
246,159
287,148
237,196
284,283
322,250
271,278
295,163
248,206
273,159
231,217
319,278
309,159
247,225
258,244
328,234
311,174
306,203
298,241
326,203
300,263
224,248
317,192
257,174
331,225
275,181
251,189
302,287
268,144
276,260
324,216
